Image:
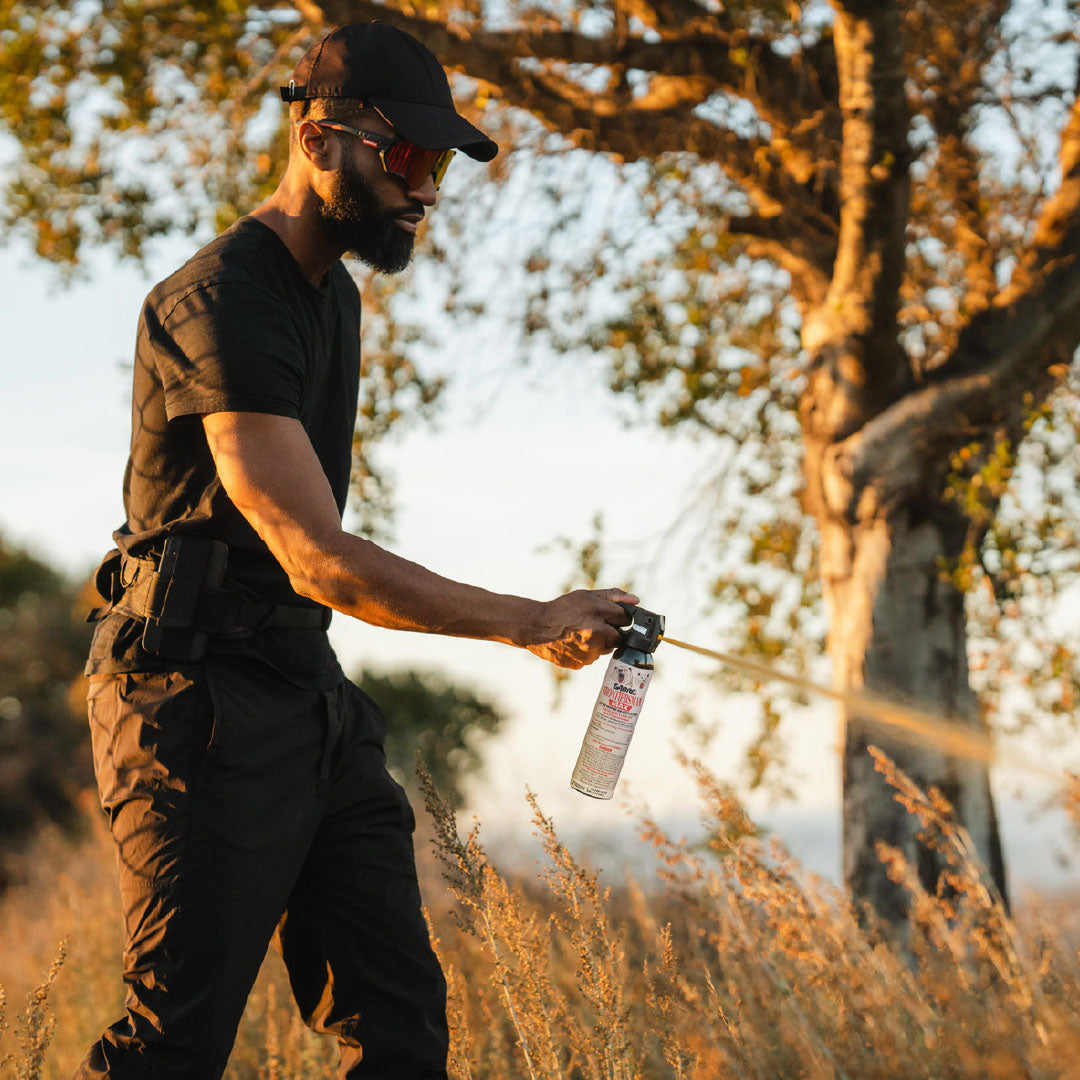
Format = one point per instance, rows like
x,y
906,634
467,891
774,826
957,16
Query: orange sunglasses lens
x,y
414,164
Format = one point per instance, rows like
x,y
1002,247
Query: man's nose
x,y
425,193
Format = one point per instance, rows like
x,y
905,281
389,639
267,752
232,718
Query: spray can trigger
x,y
646,629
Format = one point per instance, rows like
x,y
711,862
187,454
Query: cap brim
x,y
436,128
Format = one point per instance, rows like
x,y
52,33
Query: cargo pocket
x,y
149,733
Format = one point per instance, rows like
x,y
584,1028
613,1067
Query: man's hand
x,y
580,627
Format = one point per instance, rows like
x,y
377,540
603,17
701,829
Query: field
x,y
733,963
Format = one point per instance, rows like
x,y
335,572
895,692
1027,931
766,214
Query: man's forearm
x,y
361,579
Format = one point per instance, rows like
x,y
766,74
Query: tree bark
x,y
897,628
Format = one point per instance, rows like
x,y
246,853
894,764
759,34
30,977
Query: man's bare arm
x,y
270,471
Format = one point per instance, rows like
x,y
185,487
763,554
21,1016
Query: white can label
x,y
610,730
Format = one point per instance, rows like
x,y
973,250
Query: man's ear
x,y
315,146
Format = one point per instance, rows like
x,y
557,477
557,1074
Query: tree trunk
x,y
897,628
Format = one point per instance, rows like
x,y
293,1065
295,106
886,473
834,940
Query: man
x,y
242,774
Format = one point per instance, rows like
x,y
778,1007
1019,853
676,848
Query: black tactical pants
x,y
236,801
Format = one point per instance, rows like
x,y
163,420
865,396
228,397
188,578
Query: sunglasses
x,y
401,158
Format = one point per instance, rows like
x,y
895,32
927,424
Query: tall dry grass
x,y
736,964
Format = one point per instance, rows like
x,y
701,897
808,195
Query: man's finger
x,y
616,615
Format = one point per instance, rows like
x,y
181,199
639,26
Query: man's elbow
x,y
319,576
308,587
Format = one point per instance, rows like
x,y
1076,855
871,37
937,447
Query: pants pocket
x,y
149,733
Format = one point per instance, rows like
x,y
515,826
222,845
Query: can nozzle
x,y
646,629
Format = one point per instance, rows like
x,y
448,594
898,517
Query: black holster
x,y
190,566
182,598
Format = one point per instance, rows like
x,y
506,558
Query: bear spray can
x,y
616,711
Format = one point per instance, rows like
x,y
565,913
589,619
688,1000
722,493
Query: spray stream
x,y
941,732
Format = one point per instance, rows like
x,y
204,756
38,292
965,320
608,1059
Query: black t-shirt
x,y
238,328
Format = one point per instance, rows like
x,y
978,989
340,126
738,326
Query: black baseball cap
x,y
397,74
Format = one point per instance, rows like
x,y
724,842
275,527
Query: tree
x,y
863,276
429,717
44,740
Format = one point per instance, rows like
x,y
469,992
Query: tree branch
x,y
947,71
789,179
674,15
1060,217
805,256
1022,350
1007,360
790,175
784,89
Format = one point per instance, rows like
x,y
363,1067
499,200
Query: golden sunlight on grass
x,y
735,964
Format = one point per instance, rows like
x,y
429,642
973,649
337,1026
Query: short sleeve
x,y
229,347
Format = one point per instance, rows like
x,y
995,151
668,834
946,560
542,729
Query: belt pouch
x,y
188,565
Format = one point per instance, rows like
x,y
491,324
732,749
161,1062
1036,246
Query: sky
x,y
513,464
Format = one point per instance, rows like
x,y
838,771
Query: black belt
x,y
147,593
181,597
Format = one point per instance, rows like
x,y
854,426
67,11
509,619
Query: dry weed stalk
x,y
736,964
36,1029
966,918
581,917
514,937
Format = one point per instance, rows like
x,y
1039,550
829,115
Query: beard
x,y
354,216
